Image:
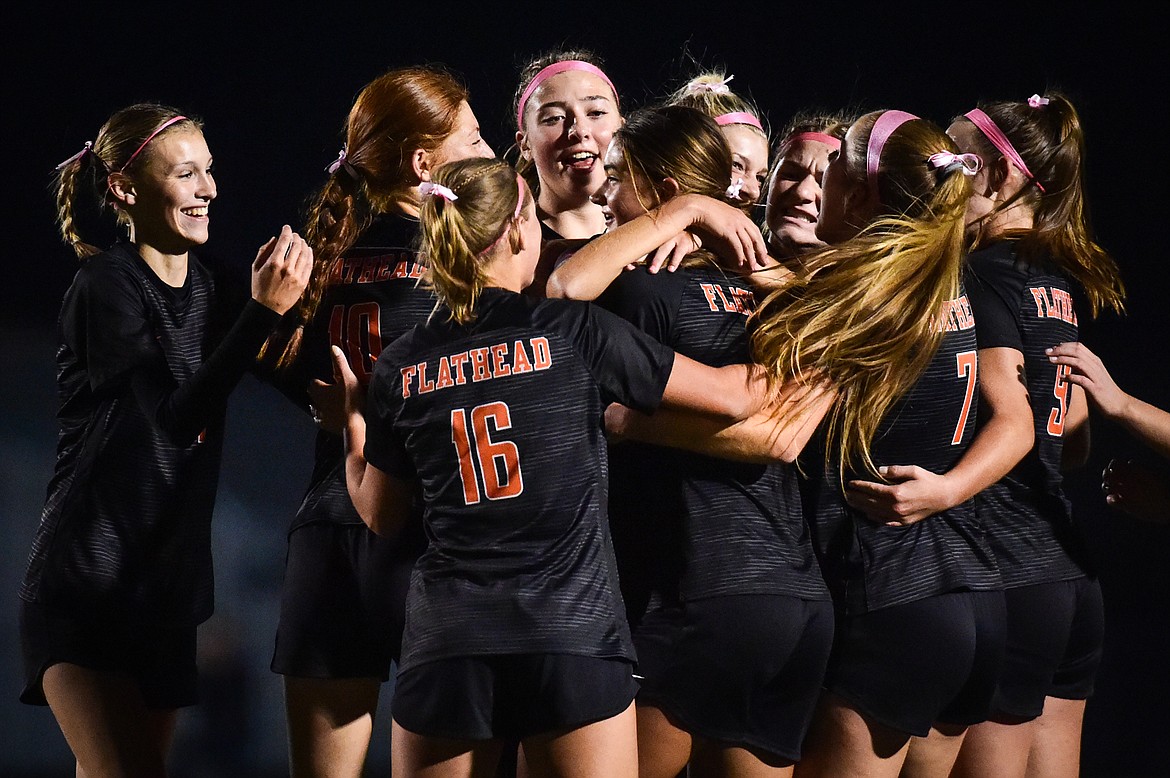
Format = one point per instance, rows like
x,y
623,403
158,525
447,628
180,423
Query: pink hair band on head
x,y
819,137
993,133
883,128
515,216
738,117
150,137
554,69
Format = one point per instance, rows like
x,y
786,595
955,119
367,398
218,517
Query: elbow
x,y
789,452
557,288
383,521
381,527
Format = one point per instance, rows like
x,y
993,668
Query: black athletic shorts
x,y
343,605
933,660
160,658
1054,637
654,640
747,670
510,697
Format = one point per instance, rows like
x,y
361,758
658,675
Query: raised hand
x,y
281,271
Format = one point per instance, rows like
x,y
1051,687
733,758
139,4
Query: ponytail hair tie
x,y
341,162
970,164
431,189
718,88
1036,101
87,148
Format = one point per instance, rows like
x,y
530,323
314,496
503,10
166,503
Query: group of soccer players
x,y
772,501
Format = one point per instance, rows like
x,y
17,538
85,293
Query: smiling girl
x,y
120,571
566,111
740,123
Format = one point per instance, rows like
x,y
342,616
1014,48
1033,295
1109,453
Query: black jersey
x,y
374,297
869,565
501,423
742,527
1028,306
126,526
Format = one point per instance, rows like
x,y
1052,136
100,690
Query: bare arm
x,y
1146,422
1075,452
382,500
728,394
590,270
915,493
777,432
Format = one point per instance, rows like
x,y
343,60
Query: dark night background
x,y
274,84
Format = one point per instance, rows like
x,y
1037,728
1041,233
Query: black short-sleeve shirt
x,y
501,422
1028,306
375,296
742,529
869,565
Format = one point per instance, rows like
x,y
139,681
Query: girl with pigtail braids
x,y
120,571
1034,248
344,588
515,628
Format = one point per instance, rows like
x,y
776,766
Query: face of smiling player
x,y
749,159
568,123
167,199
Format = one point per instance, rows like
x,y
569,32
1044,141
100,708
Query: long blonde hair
x,y
456,234
866,320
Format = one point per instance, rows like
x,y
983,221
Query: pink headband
x,y
149,138
819,137
515,216
883,128
994,134
557,68
739,117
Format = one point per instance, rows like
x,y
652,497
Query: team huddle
x,y
620,482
